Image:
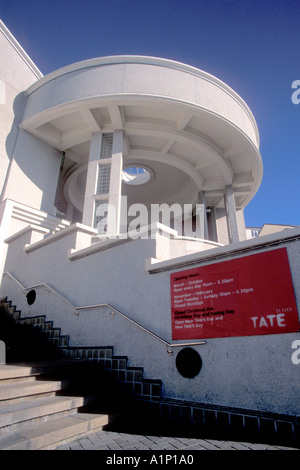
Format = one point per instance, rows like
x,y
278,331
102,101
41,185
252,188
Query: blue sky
x,y
252,45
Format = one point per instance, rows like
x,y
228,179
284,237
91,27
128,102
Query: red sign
x,y
247,296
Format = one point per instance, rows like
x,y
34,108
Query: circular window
x,y
31,296
188,363
135,175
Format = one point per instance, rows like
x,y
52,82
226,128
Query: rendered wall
x,y
254,372
33,173
17,72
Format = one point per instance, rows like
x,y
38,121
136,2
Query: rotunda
x,y
148,131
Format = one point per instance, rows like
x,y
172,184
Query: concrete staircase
x,y
42,405
51,393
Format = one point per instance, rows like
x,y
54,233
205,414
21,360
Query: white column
x,y
115,187
70,211
231,215
202,201
91,180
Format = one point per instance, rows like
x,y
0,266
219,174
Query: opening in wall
x,y
188,363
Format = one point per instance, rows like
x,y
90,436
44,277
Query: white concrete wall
x,y
241,224
222,226
14,217
247,372
150,77
33,173
17,72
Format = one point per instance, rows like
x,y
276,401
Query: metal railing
x,y
112,311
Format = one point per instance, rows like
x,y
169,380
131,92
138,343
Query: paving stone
x,y
119,439
64,447
145,440
86,444
155,439
124,445
210,445
101,447
113,446
246,446
186,440
105,440
95,439
76,446
129,437
177,444
195,447
141,446
169,446
104,437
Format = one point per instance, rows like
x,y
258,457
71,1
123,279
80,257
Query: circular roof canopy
x,y
186,128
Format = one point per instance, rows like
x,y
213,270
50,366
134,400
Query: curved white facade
x,y
190,130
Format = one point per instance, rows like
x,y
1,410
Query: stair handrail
x,y
112,310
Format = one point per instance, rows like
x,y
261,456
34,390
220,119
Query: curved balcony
x,y
177,121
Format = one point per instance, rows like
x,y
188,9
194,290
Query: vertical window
x,y
103,183
106,146
103,179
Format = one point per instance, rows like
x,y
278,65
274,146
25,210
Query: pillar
x,y
202,201
231,215
102,203
91,180
115,186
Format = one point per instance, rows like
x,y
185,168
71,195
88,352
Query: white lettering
x,y
271,317
280,319
262,322
269,321
296,355
136,224
295,95
117,460
134,220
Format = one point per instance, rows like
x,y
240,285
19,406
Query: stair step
x,y
33,321
54,392
19,416
11,371
55,432
18,412
30,387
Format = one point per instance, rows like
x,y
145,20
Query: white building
x,y
135,133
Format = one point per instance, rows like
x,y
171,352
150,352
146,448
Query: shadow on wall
x,y
10,143
24,343
38,161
